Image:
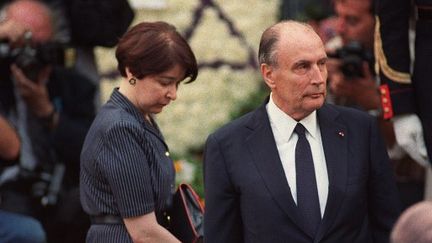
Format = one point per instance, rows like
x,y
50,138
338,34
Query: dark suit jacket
x,y
247,194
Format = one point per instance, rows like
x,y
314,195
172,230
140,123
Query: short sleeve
x,y
126,169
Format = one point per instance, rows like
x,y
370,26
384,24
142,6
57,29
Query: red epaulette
x,y
387,108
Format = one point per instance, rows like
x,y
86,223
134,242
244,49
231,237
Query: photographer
x,y
52,108
86,24
355,27
352,82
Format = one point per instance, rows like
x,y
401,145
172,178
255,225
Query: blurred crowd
x,y
49,96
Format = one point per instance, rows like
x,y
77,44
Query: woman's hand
x,y
145,228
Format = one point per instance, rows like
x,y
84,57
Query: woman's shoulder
x,y
113,119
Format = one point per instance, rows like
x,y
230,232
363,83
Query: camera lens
x,y
30,66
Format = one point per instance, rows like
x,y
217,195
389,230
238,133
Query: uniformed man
x,y
405,94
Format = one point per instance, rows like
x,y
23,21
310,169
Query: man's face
x,y
355,21
298,82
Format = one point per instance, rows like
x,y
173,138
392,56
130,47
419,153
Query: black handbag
x,y
186,220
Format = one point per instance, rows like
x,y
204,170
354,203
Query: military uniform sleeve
x,y
393,57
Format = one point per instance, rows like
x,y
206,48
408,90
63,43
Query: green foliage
x,y
198,182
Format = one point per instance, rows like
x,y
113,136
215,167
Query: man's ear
x,y
267,73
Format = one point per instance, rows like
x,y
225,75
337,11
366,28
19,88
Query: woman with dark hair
x,y
127,176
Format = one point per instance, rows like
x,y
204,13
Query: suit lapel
x,y
335,140
262,146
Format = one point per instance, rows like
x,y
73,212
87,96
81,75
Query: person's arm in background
x,y
393,67
10,142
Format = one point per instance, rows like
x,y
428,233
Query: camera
x,y
32,58
352,56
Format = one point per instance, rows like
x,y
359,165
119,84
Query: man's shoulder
x,y
236,126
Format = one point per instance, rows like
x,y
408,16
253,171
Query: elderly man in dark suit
x,y
296,169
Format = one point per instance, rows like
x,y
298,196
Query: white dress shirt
x,y
286,139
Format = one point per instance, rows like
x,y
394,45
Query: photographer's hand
x,y
366,93
339,86
363,91
35,93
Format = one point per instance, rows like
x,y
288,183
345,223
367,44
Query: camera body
x,y
352,56
31,59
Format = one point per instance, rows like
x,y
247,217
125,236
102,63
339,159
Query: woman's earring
x,y
132,81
